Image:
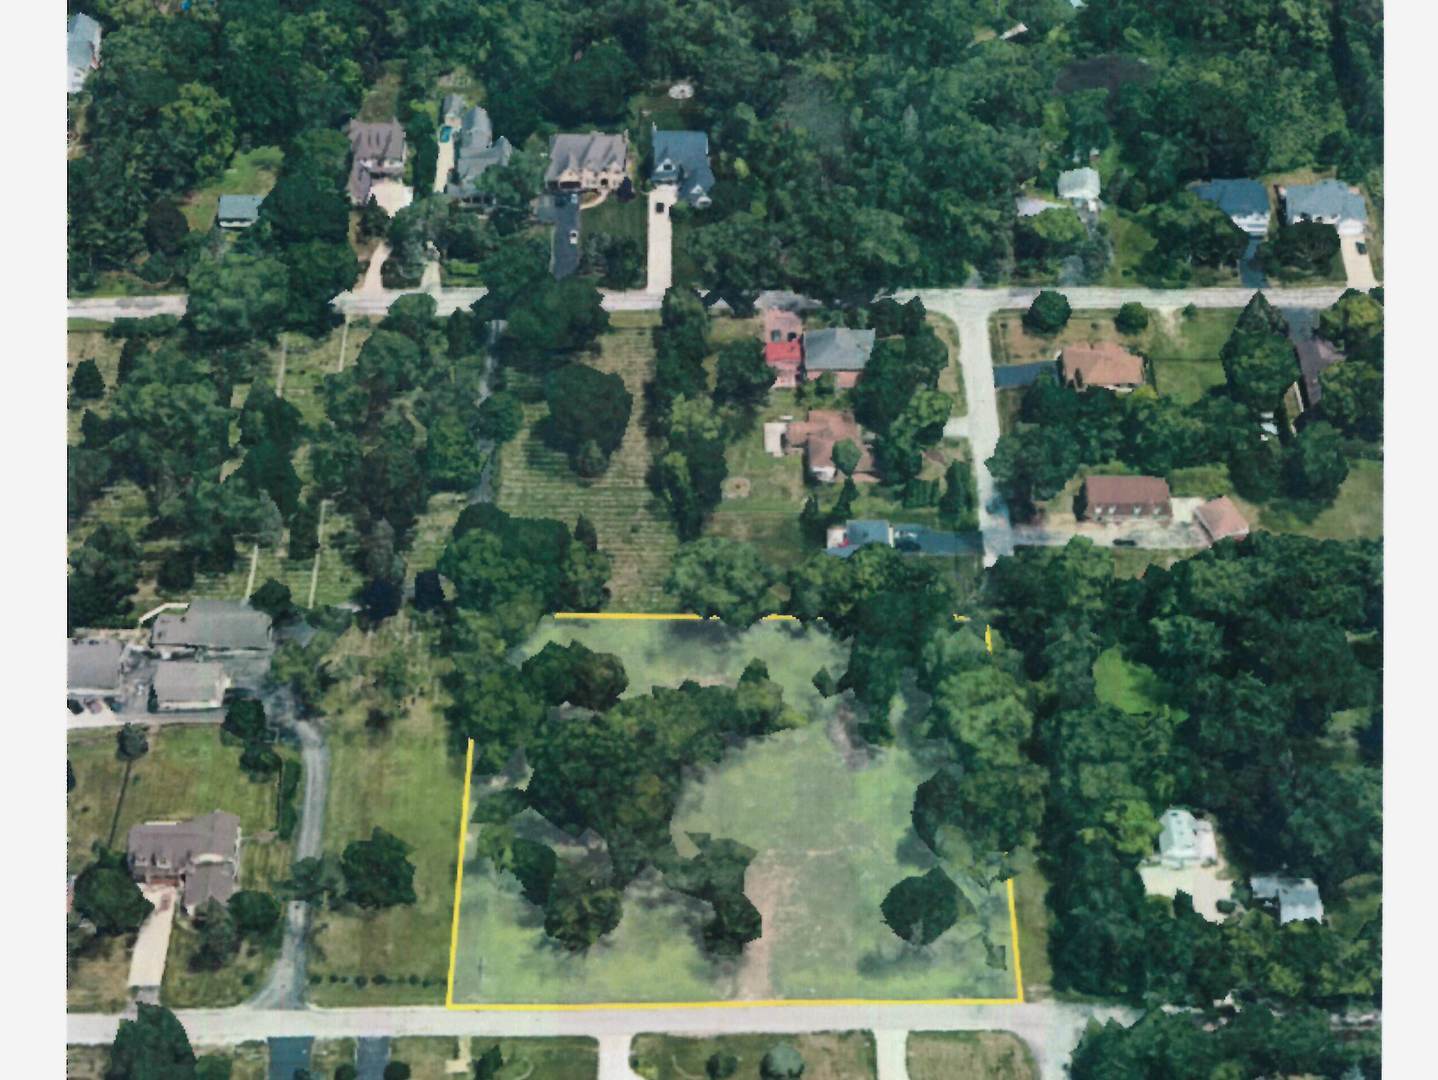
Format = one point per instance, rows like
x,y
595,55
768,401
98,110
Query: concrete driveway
x,y
152,943
392,195
660,233
444,163
1357,268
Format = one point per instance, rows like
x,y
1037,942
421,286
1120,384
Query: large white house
x,y
1185,840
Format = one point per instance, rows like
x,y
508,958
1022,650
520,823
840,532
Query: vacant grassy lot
x,y
248,1061
404,781
536,481
969,1055
830,822
1031,907
98,981
842,1055
1357,513
90,345
186,988
1130,241
560,1058
250,173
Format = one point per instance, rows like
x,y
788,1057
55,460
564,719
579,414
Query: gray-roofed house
x,y
93,667
238,211
1315,356
1244,201
451,109
201,856
377,150
476,151
1297,898
681,158
189,685
1080,187
82,50
840,350
212,626
589,162
1331,202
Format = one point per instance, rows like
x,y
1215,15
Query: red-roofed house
x,y
1124,498
1220,520
786,358
1107,365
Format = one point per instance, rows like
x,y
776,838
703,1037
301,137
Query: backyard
x,y
537,481
829,819
828,1055
251,172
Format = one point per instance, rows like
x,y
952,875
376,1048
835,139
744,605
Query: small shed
x,y
1220,520
238,211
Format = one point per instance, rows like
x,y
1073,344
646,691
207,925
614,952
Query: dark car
x,y
1125,542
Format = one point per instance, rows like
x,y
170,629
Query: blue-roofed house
x,y
1244,201
238,211
681,158
82,50
1330,202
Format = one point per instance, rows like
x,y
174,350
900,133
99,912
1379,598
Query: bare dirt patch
x,y
767,884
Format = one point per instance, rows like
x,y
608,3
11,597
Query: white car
x,y
574,236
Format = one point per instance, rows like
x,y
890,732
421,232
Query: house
x,y
1331,202
845,539
682,158
592,162
783,348
93,667
82,51
189,685
840,350
238,211
1028,206
211,626
377,150
1220,520
816,437
476,151
1184,840
1124,498
1080,187
1315,356
201,856
1297,898
1244,201
1107,365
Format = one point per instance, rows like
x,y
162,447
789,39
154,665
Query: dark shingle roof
x,y
687,154
188,680
94,664
213,624
837,349
1236,198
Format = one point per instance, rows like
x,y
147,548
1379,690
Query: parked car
x,y
1362,248
445,132
574,236
1124,541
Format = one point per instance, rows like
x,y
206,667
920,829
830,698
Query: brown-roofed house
x,y
1125,498
376,150
1106,364
202,856
817,435
1220,520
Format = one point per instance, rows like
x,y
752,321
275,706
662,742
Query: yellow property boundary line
x,y
450,1003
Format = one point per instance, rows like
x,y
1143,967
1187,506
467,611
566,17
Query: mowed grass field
x,y
831,824
251,172
405,782
828,1055
536,481
560,1058
248,1061
969,1055
186,773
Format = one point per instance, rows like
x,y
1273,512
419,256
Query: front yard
x,y
829,1055
1170,338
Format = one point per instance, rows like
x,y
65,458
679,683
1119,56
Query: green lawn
x,y
536,481
833,836
559,1058
186,988
1165,339
1124,684
1131,242
1031,907
406,782
248,1061
829,1055
616,218
250,173
951,379
969,1055
105,351
1356,514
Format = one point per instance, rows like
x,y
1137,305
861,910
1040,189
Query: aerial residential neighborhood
x,y
617,541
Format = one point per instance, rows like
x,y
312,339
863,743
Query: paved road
x,y
108,309
285,986
1051,1029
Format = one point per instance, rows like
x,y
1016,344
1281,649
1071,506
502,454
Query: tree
x,y
586,405
107,896
318,270
214,1067
573,673
920,909
500,417
1048,314
177,571
104,572
238,297
742,377
165,228
550,322
488,1064
259,761
534,864
219,939
245,720
132,743
273,598
581,910
1303,248
721,1066
396,1070
1259,374
1191,232
1049,236
1314,464
1355,324
724,578
1132,318
197,130
846,456
376,871
87,384
781,1062
153,1046
1353,399
590,88
959,504
256,914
